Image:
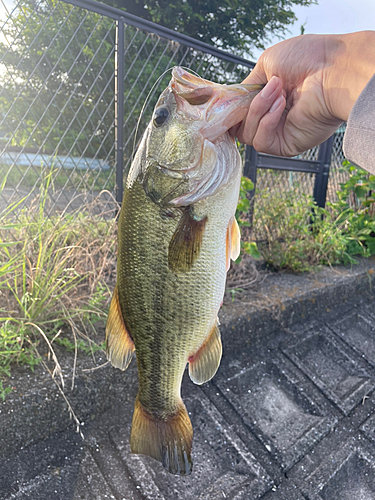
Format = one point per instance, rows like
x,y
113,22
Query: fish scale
x,y
174,309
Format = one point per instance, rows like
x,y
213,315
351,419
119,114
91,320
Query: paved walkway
x,y
289,416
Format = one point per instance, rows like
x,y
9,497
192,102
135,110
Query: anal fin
x,y
119,344
186,242
167,440
204,364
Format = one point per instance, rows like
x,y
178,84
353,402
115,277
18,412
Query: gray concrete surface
x,y
290,414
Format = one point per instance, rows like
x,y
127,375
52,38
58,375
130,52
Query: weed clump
x,y
297,235
55,276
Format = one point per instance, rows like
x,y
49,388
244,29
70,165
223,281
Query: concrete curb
x,y
283,300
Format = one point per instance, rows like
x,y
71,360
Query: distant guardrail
x,y
47,161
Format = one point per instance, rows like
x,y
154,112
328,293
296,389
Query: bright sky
x,y
333,16
8,4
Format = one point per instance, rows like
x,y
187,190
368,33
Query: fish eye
x,y
160,116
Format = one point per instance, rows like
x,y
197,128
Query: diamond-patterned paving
x,y
290,416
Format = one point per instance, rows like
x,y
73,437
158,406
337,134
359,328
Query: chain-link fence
x,y
74,83
305,182
56,102
78,82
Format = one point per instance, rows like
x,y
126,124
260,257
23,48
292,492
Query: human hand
x,y
313,82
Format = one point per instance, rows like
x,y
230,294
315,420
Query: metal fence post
x,y
250,171
321,179
119,106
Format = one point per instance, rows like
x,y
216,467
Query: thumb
x,y
257,74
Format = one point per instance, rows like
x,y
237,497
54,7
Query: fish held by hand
x,y
177,233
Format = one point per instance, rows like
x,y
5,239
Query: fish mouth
x,y
183,77
200,91
218,106
175,174
187,79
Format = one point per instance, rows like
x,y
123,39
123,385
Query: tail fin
x,y
168,441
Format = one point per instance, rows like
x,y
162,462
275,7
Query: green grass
x,y
55,272
298,236
54,275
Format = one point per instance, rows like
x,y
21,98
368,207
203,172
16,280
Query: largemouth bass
x,y
177,233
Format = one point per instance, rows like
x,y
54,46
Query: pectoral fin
x,y
233,242
186,242
119,344
204,364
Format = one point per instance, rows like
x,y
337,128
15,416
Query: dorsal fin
x,y
204,364
119,344
186,242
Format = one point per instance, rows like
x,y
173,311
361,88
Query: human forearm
x,y
350,63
